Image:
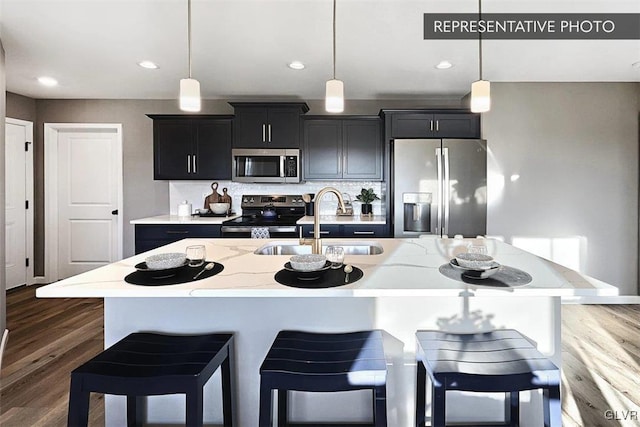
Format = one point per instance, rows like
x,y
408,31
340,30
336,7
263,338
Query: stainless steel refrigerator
x,y
439,187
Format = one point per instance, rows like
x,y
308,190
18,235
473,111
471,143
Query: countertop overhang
x,y
408,267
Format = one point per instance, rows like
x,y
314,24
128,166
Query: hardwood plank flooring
x,y
50,337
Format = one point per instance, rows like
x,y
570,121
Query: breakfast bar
x,y
405,287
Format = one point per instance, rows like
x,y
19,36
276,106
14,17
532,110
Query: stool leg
x,y
136,409
228,388
512,408
265,405
283,404
438,405
194,407
78,404
421,379
552,407
380,406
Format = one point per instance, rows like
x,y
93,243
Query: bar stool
x,y
320,362
498,361
147,364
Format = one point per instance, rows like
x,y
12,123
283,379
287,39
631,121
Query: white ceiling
x,y
241,48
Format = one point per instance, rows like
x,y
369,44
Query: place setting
x,y
318,271
477,267
174,268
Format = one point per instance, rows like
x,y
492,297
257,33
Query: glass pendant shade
x,y
334,100
480,96
189,95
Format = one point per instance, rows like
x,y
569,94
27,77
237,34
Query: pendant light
x,y
334,97
481,89
189,88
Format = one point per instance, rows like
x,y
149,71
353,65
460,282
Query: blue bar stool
x,y
147,364
320,362
498,361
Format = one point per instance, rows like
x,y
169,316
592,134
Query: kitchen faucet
x,y
316,242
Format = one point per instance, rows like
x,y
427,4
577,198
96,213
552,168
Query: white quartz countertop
x,y
175,219
336,219
408,267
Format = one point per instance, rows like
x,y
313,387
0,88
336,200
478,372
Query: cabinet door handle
x,y
364,232
194,164
437,125
188,163
177,232
431,124
269,133
322,232
264,132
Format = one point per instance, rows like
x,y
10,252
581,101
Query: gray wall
x,y
3,303
575,148
21,107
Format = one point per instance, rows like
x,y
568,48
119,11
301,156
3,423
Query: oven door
x,y
244,231
268,165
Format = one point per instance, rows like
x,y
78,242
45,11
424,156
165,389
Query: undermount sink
x,y
350,248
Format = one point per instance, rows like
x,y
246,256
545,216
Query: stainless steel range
x,y
278,213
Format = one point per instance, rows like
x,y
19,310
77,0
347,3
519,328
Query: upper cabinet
x,y
191,146
408,124
346,148
267,125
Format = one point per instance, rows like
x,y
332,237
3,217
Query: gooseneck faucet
x,y
316,242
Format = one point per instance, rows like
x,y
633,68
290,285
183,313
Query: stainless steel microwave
x,y
266,165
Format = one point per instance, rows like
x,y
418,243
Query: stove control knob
x,y
245,200
251,200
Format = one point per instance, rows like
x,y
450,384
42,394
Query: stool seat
x,y
498,361
147,364
323,362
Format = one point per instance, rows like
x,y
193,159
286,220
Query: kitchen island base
x,y
256,321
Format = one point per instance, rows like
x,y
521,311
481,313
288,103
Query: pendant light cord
x,y
479,39
189,32
334,39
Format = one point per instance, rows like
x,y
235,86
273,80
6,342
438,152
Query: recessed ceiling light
x,y
296,65
636,65
444,65
148,64
47,81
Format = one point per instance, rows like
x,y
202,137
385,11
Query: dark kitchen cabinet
x,y
362,231
151,236
267,125
326,230
348,148
435,125
191,147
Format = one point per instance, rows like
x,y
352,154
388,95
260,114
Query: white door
x,y
89,193
18,191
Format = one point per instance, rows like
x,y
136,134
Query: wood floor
x,y
50,337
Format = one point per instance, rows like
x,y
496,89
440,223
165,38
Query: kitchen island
x,y
402,291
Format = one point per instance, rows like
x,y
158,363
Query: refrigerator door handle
x,y
446,195
439,196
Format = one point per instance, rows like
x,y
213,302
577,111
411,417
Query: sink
x,y
350,248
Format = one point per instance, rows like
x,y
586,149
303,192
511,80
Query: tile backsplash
x,y
196,191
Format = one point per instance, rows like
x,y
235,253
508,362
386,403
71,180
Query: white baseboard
x,y
620,299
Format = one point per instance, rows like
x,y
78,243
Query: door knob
x,y
114,212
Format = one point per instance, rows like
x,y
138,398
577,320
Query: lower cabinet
x,y
153,236
355,231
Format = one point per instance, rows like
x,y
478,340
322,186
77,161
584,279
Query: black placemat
x,y
183,275
330,279
505,277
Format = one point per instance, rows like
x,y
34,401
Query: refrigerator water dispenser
x,y
417,212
